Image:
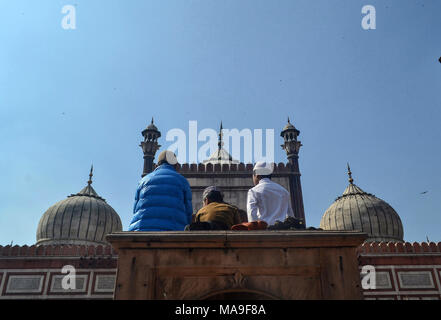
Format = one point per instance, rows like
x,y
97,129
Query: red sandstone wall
x,y
404,271
35,272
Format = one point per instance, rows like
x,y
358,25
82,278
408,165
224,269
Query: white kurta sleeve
x,y
252,208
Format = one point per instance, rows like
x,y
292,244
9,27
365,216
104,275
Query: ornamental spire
x,y
220,142
90,176
351,181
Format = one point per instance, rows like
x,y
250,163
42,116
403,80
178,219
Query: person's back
x,y
215,214
219,212
267,200
162,201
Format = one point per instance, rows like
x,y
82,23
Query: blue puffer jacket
x,y
162,201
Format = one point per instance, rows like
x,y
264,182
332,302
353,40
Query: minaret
x,y
292,146
149,147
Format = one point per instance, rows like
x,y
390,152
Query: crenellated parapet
x,y
280,168
57,250
399,247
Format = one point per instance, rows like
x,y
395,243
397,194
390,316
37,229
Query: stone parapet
x,y
233,168
399,247
237,265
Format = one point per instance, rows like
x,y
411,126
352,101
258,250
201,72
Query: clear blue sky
x,y
69,98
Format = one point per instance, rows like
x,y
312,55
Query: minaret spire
x,y
90,176
351,181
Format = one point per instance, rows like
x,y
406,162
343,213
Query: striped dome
x,y
82,218
358,210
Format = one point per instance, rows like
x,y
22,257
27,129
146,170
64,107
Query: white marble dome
x,y
82,218
358,210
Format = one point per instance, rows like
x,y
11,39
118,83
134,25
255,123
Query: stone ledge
x,y
306,264
235,239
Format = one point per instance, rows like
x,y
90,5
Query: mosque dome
x,y
82,218
358,210
220,156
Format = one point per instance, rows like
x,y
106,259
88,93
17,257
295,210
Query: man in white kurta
x,y
267,200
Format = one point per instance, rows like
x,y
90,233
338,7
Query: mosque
x,y
73,231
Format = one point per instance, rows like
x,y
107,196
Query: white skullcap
x,y
167,156
262,168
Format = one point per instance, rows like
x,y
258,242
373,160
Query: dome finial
x,y
288,120
220,143
351,181
90,176
152,120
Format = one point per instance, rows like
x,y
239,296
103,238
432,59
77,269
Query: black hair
x,y
162,162
262,177
214,196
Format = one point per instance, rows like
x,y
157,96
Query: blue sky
x,y
70,98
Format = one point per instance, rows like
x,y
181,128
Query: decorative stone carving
x,y
238,280
415,279
24,283
105,283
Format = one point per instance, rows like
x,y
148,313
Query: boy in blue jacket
x,y
163,199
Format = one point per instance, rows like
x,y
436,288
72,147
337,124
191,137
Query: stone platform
x,y
237,265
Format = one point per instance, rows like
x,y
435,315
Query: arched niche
x,y
239,294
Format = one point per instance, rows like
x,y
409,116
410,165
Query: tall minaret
x,y
292,146
149,147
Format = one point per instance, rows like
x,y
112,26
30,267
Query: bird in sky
x,y
424,192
